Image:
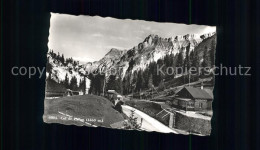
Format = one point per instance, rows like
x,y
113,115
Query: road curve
x,y
149,123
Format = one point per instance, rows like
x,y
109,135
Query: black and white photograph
x,y
130,74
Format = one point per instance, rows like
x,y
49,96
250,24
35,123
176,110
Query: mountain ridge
x,y
151,49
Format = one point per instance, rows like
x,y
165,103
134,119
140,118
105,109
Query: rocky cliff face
x,y
57,70
151,49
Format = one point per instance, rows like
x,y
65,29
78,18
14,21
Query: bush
x,y
132,122
118,107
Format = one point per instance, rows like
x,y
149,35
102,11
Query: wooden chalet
x,y
193,99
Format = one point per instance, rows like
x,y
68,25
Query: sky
x,y
89,38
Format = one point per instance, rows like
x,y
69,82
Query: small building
x,y
193,99
113,96
68,92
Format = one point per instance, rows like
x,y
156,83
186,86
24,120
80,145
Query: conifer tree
x,y
206,61
111,84
179,62
187,58
66,81
73,83
161,86
195,62
150,82
140,81
58,56
62,59
212,52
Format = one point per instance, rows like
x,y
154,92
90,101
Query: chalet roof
x,y
198,93
112,92
184,99
210,92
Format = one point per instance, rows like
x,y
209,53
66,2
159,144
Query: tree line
x,y
61,59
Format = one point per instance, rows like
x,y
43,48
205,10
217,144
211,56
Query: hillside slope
x,y
87,107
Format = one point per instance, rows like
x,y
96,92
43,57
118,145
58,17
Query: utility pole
x,y
140,94
85,85
132,91
152,92
104,85
189,78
